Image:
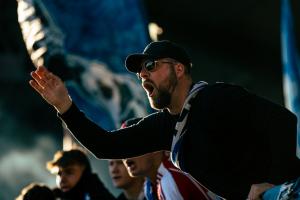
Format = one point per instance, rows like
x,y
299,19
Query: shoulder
x,y
121,197
92,178
161,119
168,173
57,192
178,184
220,94
221,88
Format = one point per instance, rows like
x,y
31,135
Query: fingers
x,y
254,192
55,79
51,88
45,78
36,86
43,73
38,79
257,190
41,70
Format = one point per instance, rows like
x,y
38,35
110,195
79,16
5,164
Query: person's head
x,y
145,165
162,66
69,167
117,170
36,191
120,177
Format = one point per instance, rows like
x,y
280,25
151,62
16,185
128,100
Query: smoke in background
x,y
24,151
21,166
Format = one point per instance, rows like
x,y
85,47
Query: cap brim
x,y
133,62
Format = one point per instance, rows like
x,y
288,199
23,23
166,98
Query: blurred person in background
x,y
164,180
74,177
132,187
36,191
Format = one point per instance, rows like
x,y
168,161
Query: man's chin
x,y
134,174
153,105
64,189
157,107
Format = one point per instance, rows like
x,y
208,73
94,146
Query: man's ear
x,y
180,70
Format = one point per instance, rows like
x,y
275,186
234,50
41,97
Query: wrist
x,y
62,108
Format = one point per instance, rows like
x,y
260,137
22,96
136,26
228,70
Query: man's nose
x,y
114,170
144,73
63,177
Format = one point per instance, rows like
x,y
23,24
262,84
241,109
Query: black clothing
x,y
234,139
123,197
89,187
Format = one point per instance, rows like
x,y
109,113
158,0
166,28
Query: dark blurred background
x,y
232,41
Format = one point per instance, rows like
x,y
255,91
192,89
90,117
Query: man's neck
x,y
134,191
152,173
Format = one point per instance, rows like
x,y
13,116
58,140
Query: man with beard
x,y
74,177
224,136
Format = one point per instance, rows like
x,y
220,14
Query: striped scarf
x,y
181,127
149,191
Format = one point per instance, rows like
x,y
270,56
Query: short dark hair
x,y
36,191
67,158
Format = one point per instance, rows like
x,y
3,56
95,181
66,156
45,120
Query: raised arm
x,y
51,88
153,134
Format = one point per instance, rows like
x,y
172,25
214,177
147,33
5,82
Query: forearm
x,y
86,132
123,143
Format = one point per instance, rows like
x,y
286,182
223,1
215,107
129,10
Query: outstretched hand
x,y
51,88
257,190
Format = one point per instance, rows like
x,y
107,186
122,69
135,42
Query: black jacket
x,y
123,197
234,139
89,187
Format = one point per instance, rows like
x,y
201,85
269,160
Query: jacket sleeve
x,y
152,133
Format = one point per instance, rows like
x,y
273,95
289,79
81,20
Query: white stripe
x,y
180,126
169,188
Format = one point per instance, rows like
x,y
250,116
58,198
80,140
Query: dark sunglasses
x,y
151,65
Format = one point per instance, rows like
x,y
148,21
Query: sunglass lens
x,y
149,65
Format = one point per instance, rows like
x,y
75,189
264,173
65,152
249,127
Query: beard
x,y
164,92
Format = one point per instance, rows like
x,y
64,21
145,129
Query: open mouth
x,y
116,178
64,188
149,88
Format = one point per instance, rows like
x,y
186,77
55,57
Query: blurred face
x,y
159,83
69,176
119,174
142,165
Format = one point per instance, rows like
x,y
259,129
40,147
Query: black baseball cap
x,y
157,50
